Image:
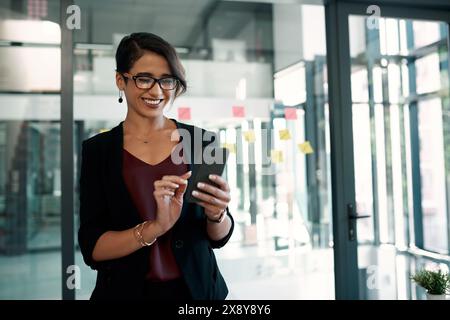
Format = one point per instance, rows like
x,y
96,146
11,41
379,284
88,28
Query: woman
x,y
135,229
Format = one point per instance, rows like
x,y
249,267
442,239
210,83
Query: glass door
x,y
399,78
31,247
395,111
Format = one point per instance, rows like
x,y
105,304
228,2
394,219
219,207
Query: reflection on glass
x,y
360,93
398,176
30,189
363,171
380,158
426,33
434,206
428,74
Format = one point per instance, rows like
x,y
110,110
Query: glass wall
x,y
30,188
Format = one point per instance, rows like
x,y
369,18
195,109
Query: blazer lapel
x,y
121,199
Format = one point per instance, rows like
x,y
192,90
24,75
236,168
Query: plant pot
x,y
435,296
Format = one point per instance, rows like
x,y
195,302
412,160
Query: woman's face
x,y
150,102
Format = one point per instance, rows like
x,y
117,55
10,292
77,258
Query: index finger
x,y
175,179
221,182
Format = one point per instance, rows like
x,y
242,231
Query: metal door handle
x,y
352,217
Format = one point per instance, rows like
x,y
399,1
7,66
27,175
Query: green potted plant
x,y
436,283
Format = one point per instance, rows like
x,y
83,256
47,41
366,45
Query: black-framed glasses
x,y
147,82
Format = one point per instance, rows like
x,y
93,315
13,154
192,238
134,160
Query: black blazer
x,y
105,205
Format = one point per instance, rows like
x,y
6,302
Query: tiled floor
x,y
31,276
252,272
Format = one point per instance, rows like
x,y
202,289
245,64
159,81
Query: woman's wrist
x,y
220,219
153,230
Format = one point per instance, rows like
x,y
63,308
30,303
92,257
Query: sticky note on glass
x,y
276,156
184,113
230,146
249,136
290,113
284,134
305,147
238,111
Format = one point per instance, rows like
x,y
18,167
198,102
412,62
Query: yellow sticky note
x,y
305,147
276,155
284,134
230,146
103,130
249,136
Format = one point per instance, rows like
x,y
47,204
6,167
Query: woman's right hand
x,y
168,194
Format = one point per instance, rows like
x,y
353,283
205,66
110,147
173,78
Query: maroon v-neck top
x,y
139,177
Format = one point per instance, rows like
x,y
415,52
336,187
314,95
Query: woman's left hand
x,y
214,199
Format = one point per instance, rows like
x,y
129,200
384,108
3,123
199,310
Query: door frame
x,y
346,273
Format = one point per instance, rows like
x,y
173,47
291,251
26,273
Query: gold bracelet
x,y
141,238
136,233
138,230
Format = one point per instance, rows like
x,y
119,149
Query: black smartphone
x,y
202,172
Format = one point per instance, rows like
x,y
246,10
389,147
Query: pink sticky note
x,y
290,113
184,113
238,111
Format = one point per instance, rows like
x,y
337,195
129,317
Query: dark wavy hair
x,y
134,46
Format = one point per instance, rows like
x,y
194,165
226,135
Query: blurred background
x,y
252,67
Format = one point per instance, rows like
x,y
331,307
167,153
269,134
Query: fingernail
x,y
194,193
200,185
211,176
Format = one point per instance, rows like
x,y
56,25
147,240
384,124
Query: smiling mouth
x,y
152,102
